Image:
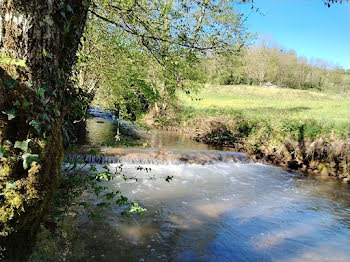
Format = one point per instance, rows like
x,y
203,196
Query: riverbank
x,y
298,129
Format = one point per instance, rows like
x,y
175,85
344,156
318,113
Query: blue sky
x,y
307,26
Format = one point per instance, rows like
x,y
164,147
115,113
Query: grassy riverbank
x,y
276,105
300,129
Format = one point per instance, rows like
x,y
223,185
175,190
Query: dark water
x,y
223,212
101,130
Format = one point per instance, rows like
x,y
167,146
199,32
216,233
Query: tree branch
x,y
152,37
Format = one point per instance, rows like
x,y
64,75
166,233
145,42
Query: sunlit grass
x,y
272,104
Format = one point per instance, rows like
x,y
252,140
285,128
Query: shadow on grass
x,y
273,110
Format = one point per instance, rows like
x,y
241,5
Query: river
x,y
223,211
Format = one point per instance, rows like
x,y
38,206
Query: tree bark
x,y
45,35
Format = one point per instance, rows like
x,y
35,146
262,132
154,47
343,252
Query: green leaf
x,y
69,9
10,61
9,83
41,92
36,124
11,185
3,152
28,84
11,113
8,143
26,103
135,208
23,145
17,103
28,159
121,201
45,117
105,175
46,54
94,151
57,112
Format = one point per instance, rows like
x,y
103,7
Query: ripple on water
x,y
229,212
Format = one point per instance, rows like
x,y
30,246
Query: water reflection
x,y
103,130
100,130
175,141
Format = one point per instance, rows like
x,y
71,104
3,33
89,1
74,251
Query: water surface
x,y
101,130
225,212
221,212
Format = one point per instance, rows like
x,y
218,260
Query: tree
x,y
169,37
115,70
38,44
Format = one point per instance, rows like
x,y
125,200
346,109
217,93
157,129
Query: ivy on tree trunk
x,y
38,44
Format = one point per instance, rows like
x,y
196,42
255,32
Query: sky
x,y
307,26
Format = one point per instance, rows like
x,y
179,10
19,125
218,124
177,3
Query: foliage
x,y
114,70
138,53
266,62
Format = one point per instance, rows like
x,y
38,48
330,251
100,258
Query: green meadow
x,y
272,105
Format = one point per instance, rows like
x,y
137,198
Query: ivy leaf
x,y
36,124
26,103
8,143
9,83
3,152
45,117
57,112
11,185
16,103
69,9
23,145
41,92
28,159
28,84
11,113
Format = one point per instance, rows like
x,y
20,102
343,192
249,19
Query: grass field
x,y
272,105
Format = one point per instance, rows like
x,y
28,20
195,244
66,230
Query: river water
x,y
221,212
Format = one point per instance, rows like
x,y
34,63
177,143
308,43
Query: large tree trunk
x,y
45,35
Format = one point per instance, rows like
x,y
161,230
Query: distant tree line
x,y
263,63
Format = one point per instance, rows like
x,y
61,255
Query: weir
x,y
219,206
159,156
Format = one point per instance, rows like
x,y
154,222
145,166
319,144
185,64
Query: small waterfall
x,y
160,157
